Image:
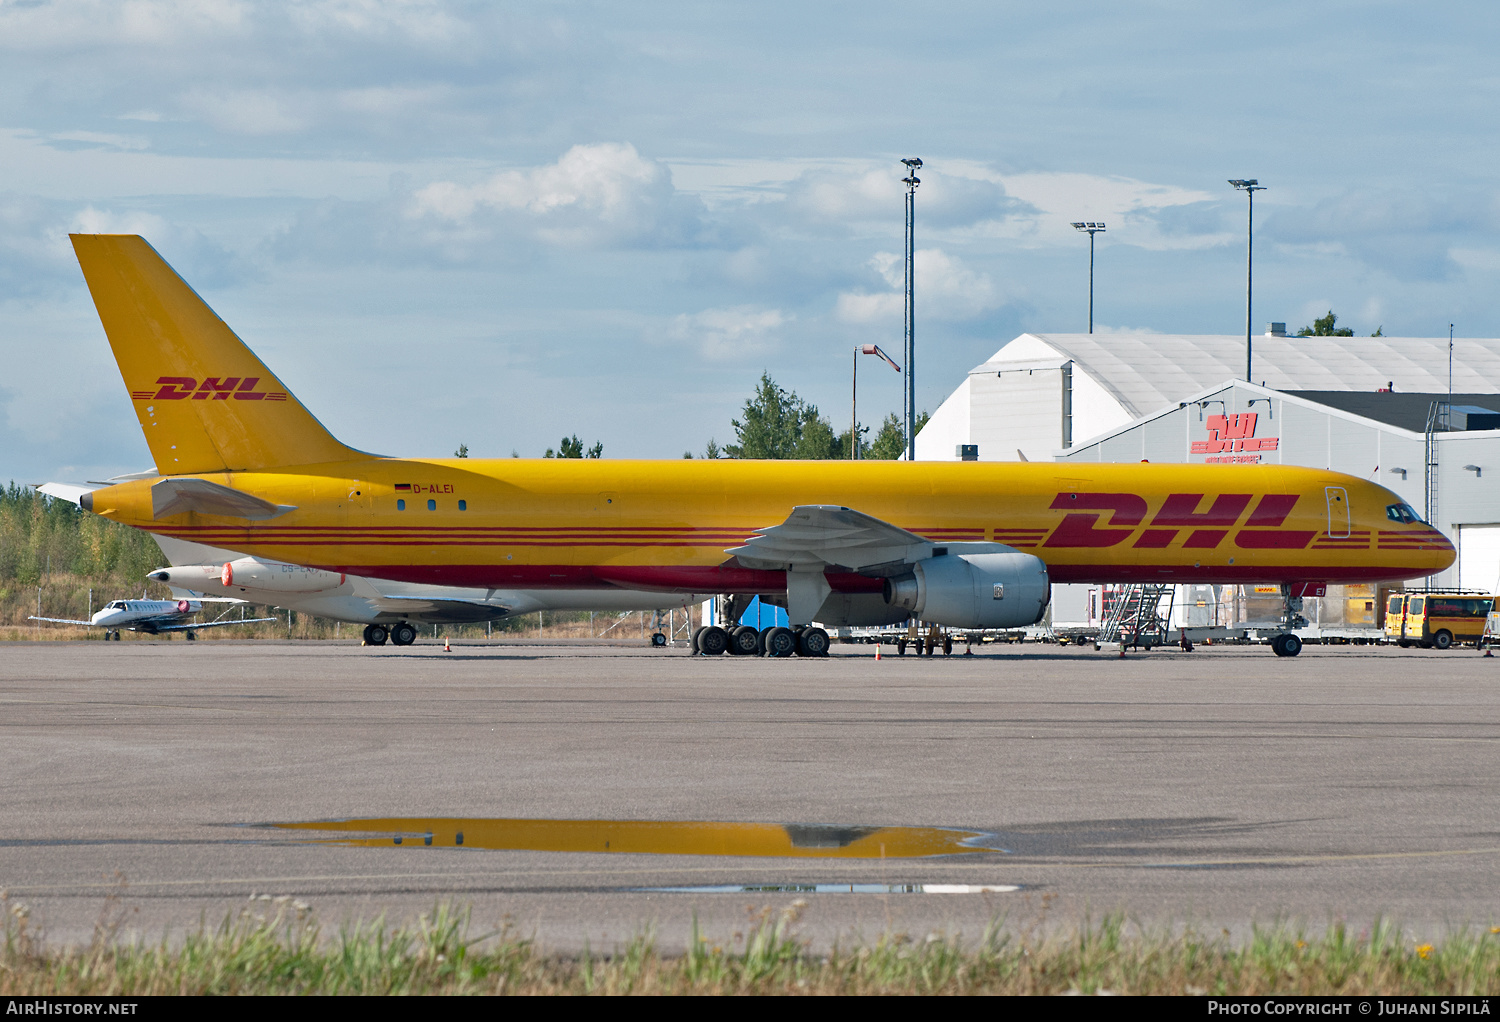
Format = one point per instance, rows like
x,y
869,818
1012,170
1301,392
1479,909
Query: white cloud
x,y
731,333
100,139
603,193
247,111
945,289
871,195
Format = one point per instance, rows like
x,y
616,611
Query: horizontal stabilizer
x,y
175,496
71,492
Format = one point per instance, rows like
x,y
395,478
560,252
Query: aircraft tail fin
x,y
204,400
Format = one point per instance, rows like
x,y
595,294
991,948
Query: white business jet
x,y
152,617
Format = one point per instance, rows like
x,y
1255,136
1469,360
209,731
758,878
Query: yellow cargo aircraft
x,y
244,466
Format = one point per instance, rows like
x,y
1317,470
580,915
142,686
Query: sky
x,y
497,224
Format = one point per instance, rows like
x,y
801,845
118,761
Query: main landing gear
x,y
401,634
776,641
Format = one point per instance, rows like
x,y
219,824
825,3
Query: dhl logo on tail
x,y
181,388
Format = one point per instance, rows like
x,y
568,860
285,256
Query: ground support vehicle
x,y
1437,618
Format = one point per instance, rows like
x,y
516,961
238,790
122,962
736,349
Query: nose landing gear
x,y
1286,645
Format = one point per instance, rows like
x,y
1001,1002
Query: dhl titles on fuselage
x,y
667,524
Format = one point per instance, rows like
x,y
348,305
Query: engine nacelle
x,y
278,577
1002,590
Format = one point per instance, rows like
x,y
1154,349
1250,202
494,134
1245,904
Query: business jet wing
x,y
209,624
815,537
62,621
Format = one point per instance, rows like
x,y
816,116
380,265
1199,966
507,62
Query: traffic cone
x,y
877,651
446,648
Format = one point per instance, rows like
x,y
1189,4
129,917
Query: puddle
x,y
834,889
772,840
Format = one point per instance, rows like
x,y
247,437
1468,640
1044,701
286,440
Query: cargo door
x,y
1338,512
1479,557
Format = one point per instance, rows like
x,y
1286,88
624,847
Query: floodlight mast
x,y
861,349
1249,186
1091,229
911,181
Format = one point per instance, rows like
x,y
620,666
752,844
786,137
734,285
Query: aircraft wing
x,y
61,621
815,537
210,624
174,496
448,609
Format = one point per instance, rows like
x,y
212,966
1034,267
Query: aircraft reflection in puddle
x,y
834,889
792,840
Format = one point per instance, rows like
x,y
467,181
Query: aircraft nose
x,y
1443,552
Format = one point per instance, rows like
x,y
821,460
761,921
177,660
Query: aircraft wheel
x,y
812,642
190,636
1291,645
658,639
780,642
947,645
1443,639
761,638
744,641
403,634
901,647
697,634
376,635
714,641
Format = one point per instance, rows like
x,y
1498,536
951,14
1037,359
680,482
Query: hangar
x,y
1381,408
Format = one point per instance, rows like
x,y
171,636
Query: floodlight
x,y
1090,228
1249,186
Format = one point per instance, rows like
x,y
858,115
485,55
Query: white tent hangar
x,y
1359,405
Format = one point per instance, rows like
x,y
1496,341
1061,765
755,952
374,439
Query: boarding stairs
x,y
1141,616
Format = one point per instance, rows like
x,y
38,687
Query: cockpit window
x,y
1402,513
117,605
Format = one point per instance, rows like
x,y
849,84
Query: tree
x,y
462,452
1324,326
890,443
778,424
572,447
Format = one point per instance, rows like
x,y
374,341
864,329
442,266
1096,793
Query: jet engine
x,y
278,577
1001,590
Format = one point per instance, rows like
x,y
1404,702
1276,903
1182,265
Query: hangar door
x,y
1479,557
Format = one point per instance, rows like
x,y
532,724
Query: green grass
x,y
280,948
